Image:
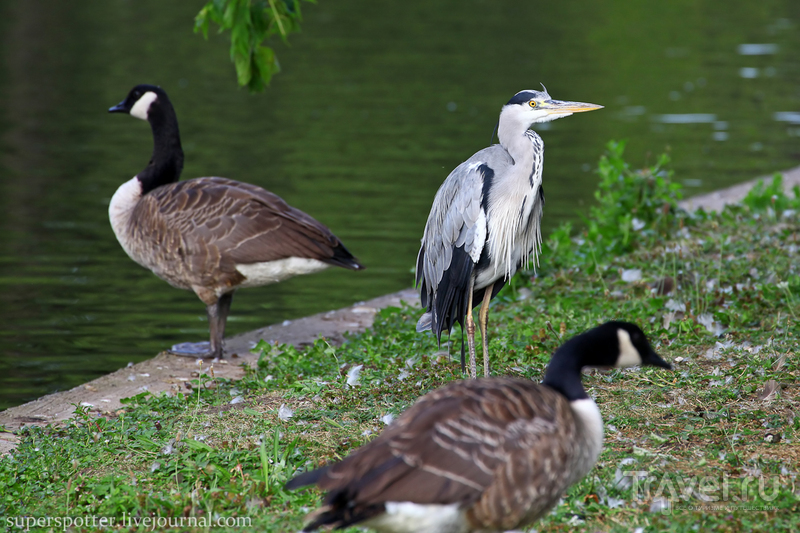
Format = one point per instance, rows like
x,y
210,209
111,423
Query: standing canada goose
x,y
210,235
480,455
484,223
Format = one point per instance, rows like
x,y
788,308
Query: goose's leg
x,y
483,321
217,317
216,323
473,365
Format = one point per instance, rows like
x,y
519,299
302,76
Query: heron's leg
x,y
473,365
483,321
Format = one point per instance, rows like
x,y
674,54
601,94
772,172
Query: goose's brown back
x,y
194,233
499,448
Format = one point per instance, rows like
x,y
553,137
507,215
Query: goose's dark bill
x,y
210,235
485,455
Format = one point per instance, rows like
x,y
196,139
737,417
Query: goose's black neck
x,y
564,371
166,163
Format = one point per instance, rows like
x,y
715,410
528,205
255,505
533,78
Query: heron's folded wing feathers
x,y
452,219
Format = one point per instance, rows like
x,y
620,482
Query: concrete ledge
x,y
168,372
715,201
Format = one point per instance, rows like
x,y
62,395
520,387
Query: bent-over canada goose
x,y
210,235
480,455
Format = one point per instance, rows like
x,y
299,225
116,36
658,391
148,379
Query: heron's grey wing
x,y
454,446
454,238
453,218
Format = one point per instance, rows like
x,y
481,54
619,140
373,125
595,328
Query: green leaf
x,y
266,62
244,71
252,23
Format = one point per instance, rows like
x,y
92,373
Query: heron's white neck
x,y
511,133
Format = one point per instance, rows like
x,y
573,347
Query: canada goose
x,y
480,455
485,220
210,235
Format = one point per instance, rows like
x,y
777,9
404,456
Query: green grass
x,y
698,439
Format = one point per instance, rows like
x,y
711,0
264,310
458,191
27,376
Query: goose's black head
x,y
143,101
620,344
151,103
613,344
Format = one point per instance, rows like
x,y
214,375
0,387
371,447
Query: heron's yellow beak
x,y
558,107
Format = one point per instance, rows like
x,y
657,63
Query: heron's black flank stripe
x,y
488,179
532,218
522,210
521,97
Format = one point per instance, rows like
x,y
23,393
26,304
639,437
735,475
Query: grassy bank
x,y
711,446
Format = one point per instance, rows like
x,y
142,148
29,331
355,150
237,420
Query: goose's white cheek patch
x,y
142,105
628,354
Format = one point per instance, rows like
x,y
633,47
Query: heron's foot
x,y
195,350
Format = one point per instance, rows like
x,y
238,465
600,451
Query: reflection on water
x,y
377,102
757,49
685,118
792,117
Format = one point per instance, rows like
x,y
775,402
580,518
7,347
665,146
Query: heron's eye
x,y
532,103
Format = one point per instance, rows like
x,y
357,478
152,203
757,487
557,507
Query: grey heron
x,y
484,223
210,235
493,454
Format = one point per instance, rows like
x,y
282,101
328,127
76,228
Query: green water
x,y
376,103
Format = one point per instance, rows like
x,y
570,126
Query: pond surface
x,y
376,103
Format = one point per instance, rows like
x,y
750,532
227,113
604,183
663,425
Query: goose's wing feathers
x,y
477,443
241,223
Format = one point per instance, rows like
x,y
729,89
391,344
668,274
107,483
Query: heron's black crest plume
x,y
521,97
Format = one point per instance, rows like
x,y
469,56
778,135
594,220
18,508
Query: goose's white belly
x,y
269,272
408,517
